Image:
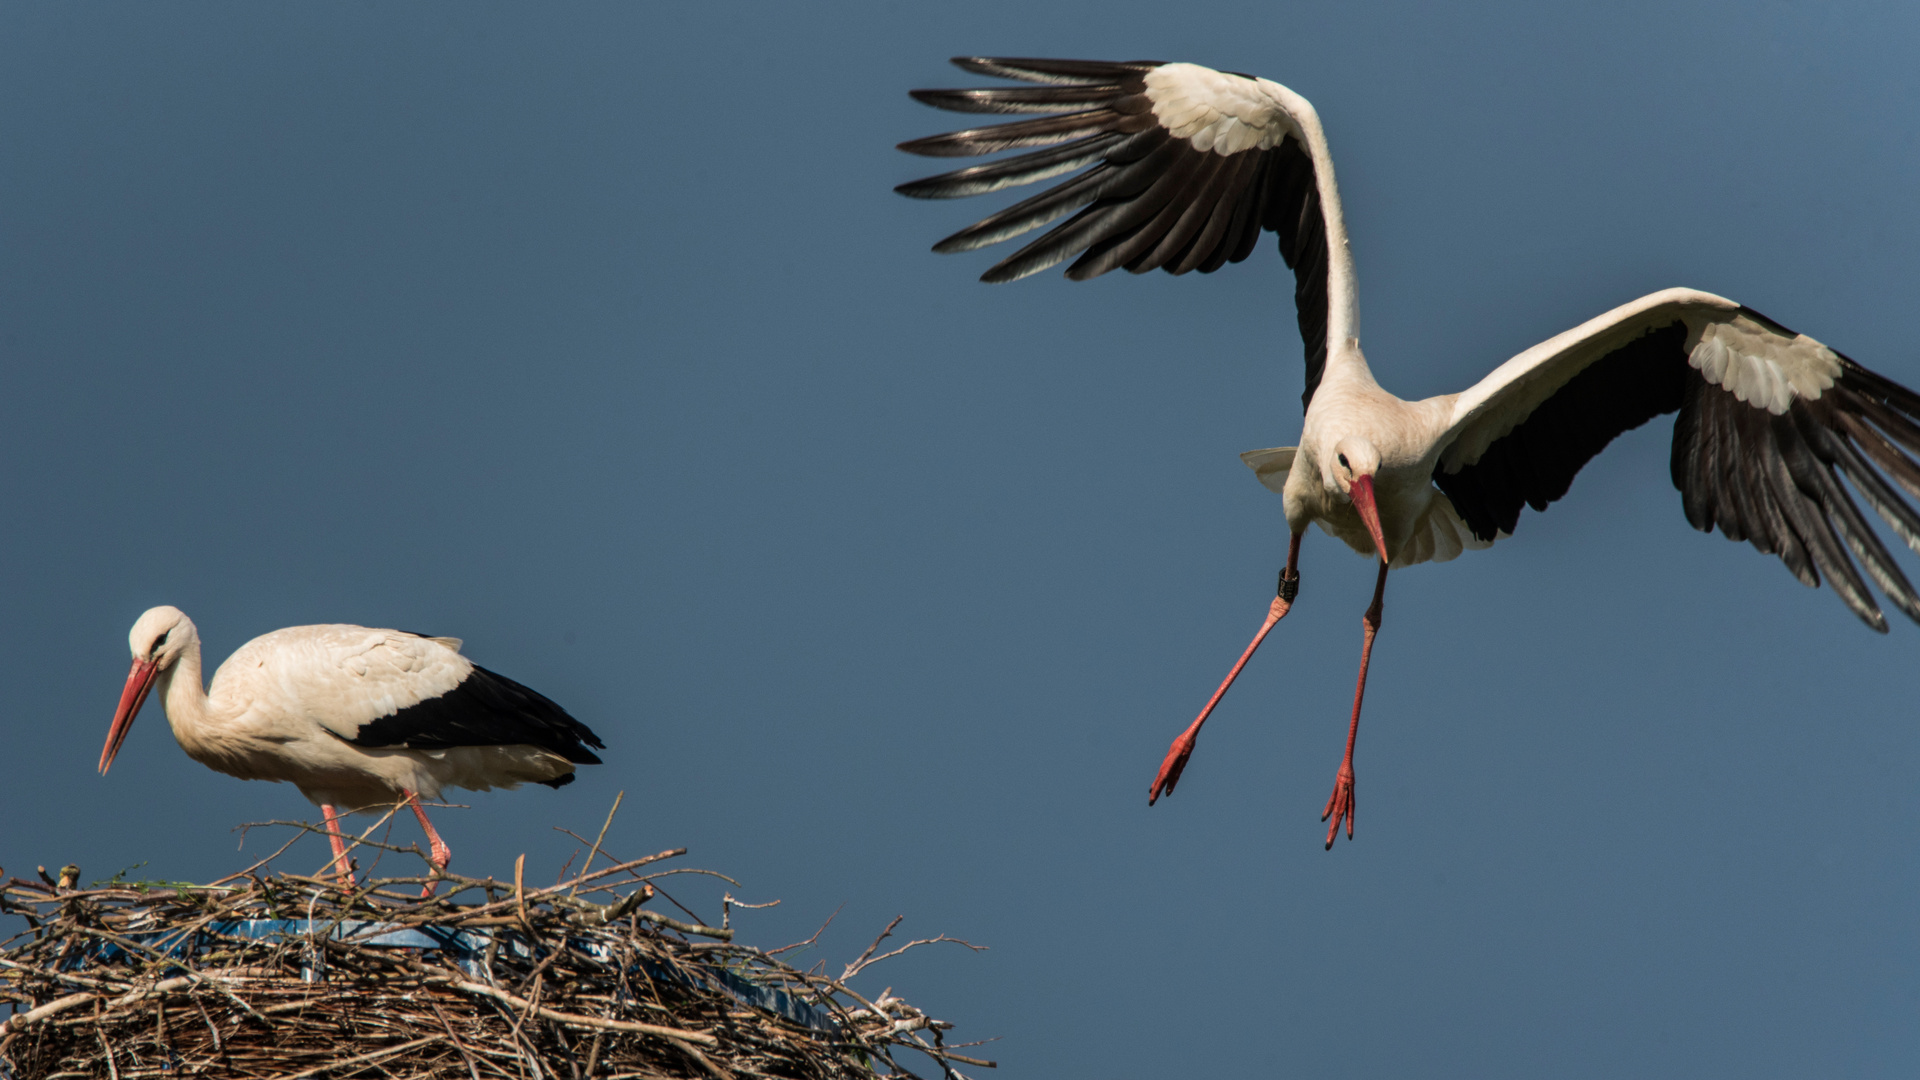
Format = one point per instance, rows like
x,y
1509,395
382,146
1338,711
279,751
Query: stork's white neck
x,y
183,693
1343,288
1343,293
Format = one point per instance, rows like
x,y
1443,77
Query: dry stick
x,y
538,970
192,928
262,862
113,1071
172,961
367,839
713,1070
64,976
538,894
374,1055
520,894
691,870
964,1059
861,961
211,1026
439,978
913,944
524,1056
593,1053
519,1020
591,914
588,865
677,903
160,1033
684,927
60,1005
473,1067
363,840
814,938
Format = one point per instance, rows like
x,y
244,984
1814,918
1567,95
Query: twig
x,y
861,960
814,938
658,919
555,1015
591,914
372,1055
911,945
113,1071
588,865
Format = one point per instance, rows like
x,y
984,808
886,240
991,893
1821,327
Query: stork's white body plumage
x,y
356,718
1185,167
287,706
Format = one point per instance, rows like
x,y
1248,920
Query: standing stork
x,y
1185,166
355,718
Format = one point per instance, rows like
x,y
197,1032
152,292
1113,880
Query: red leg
x,y
1176,760
1340,803
341,864
441,854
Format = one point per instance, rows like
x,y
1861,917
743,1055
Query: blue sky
x,y
595,336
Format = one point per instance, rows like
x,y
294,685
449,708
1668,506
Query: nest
x,y
275,974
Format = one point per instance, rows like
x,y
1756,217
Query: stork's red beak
x,y
1362,493
139,682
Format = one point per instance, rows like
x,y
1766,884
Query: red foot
x,y
1340,804
438,853
438,860
342,862
1182,748
1175,763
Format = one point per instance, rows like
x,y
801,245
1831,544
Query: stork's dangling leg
x,y
341,863
1340,803
1182,748
441,854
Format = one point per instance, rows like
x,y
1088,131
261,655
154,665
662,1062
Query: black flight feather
x,y
1056,72
1772,481
1146,201
484,709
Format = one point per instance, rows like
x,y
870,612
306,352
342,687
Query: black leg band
x,y
1289,586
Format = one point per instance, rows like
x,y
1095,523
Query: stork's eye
x,y
1343,462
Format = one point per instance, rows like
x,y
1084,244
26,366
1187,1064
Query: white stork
x,y
1185,166
355,718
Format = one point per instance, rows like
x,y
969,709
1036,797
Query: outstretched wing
x,y
1183,168
1769,422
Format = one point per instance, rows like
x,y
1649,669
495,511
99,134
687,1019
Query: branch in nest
x,y
867,959
587,913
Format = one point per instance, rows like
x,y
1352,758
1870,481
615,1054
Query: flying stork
x,y
1179,167
355,718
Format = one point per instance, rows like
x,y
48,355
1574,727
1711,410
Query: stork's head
x,y
156,640
1351,473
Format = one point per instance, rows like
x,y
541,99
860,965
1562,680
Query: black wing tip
x,y
1056,72
1051,65
942,145
557,782
567,736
